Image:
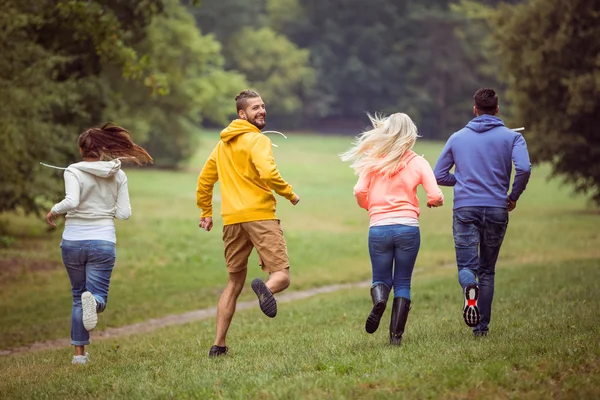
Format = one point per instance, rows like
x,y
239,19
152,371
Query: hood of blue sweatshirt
x,y
484,123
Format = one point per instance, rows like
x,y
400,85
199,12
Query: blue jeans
x,y
89,264
478,235
393,250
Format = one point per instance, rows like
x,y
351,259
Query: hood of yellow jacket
x,y
237,127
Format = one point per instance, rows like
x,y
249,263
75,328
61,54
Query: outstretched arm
x,y
71,200
72,195
435,197
123,204
262,158
520,157
206,182
361,190
444,165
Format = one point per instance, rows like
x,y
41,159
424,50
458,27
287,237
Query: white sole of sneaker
x,y
90,316
81,359
471,311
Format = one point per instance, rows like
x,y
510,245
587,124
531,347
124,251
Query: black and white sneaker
x,y
90,315
266,300
471,311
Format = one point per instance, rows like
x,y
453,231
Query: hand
x,y
295,200
50,219
206,223
434,204
511,204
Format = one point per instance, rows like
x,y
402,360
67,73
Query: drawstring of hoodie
x,y
273,144
55,167
51,166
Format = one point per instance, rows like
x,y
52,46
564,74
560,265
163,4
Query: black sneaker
x,y
217,351
266,300
478,334
471,311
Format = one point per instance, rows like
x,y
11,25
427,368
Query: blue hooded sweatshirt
x,y
483,153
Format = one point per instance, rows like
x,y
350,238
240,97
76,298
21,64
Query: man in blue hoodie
x,y
483,153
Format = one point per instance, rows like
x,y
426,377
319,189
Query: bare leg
x,y
227,304
279,281
79,350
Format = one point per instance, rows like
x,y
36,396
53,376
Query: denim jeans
x,y
478,235
89,264
393,250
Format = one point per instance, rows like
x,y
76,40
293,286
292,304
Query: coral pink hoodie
x,y
395,195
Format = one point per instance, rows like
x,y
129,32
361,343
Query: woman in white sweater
x,y
96,193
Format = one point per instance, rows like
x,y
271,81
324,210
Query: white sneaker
x,y
80,359
90,317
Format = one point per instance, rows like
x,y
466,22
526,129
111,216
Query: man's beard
x,y
260,125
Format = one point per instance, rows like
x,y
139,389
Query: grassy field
x,y
545,331
543,344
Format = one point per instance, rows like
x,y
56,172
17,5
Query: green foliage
x,y
186,69
71,64
285,15
445,65
276,67
227,18
422,58
28,132
550,55
352,48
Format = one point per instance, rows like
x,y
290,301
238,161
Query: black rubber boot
x,y
400,310
379,294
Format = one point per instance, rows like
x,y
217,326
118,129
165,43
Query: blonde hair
x,y
382,148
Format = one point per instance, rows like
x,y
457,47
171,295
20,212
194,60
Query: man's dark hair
x,y
486,101
241,100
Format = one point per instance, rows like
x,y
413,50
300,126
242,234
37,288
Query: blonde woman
x,y
389,174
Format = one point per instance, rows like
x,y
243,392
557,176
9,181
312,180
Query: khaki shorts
x,y
266,236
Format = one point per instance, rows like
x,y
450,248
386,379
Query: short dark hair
x,y
241,100
486,100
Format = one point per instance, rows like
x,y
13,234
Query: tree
x,y
186,68
422,58
352,47
227,18
277,68
52,54
445,65
56,60
550,57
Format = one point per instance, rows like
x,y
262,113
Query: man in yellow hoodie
x,y
243,163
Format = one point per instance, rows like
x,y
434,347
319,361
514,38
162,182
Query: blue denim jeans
x,y
89,264
393,250
478,235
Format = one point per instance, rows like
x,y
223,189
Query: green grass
x,y
543,344
166,264
544,340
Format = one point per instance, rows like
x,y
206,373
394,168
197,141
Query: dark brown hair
x,y
241,100
112,142
486,101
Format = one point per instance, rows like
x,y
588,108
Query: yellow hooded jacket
x,y
244,164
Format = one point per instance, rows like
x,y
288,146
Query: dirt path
x,y
178,319
192,316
